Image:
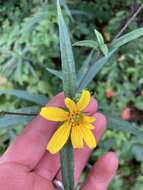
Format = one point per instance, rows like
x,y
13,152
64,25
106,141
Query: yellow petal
x,y
59,138
70,104
88,137
54,114
89,119
84,100
76,137
89,126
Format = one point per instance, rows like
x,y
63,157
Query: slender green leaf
x,y
99,37
68,65
12,120
127,38
29,110
69,86
94,69
103,47
55,72
84,68
87,43
23,94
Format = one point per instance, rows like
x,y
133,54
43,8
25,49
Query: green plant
x,y
39,56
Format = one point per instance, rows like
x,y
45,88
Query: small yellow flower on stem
x,y
75,124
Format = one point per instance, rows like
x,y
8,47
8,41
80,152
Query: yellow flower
x,y
75,124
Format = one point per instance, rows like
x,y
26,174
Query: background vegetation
x,y
29,47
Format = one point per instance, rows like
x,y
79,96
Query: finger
x,y
44,165
48,166
102,172
92,107
30,146
82,156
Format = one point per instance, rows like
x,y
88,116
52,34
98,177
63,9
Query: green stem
x,y
69,87
67,156
67,166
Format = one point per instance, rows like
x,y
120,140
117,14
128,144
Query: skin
x,y
27,165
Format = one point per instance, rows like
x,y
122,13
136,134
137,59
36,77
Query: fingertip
x,y
102,172
112,160
100,125
92,107
100,120
106,167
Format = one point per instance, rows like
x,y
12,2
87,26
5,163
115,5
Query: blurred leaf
x,y
63,2
55,72
99,37
84,68
107,144
23,94
103,47
138,140
127,38
12,120
118,124
138,184
139,103
68,65
31,23
81,13
87,43
29,110
32,71
137,150
94,69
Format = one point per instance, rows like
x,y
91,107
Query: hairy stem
x,y
67,166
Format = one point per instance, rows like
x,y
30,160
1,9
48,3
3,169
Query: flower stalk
x,y
69,87
67,165
67,154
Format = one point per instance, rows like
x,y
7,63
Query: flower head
x,y
75,124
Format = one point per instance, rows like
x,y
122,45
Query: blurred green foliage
x,y
29,44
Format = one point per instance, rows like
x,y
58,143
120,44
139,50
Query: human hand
x,y
26,165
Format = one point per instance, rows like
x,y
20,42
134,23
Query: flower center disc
x,y
75,118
